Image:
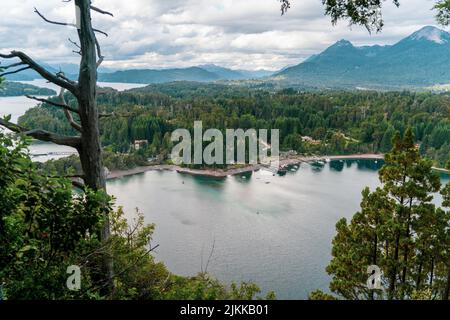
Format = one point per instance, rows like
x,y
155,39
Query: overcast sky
x,y
246,34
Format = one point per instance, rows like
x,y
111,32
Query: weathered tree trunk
x,y
91,150
432,272
407,237
393,275
85,91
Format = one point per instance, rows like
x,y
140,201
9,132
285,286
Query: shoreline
x,y
220,173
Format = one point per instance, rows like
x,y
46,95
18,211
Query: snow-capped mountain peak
x,y
431,34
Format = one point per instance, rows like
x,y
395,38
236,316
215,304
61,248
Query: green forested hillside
x,y
343,121
11,89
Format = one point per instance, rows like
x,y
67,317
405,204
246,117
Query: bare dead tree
x,y
84,90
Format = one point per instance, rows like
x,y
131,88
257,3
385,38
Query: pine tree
x,y
409,180
397,229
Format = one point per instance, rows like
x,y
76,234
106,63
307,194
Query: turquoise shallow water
x,y
275,231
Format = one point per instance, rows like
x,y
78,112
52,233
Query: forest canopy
x,y
344,122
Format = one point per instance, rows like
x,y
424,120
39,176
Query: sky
x,y
239,34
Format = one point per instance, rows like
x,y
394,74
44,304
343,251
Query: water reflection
x,y
337,165
273,230
373,165
317,166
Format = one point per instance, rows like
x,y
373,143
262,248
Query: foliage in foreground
x,y
400,230
46,227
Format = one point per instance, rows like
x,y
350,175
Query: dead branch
x,y
95,9
53,22
67,113
99,53
71,141
12,65
64,23
74,43
15,71
101,11
100,31
25,59
55,104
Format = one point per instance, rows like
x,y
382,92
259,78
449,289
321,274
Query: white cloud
x,y
235,33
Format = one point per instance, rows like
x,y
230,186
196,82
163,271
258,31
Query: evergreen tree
x,y
397,229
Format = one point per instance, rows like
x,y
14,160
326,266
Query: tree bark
x,y
393,276
432,272
90,150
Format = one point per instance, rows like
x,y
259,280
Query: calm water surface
x,y
17,106
275,231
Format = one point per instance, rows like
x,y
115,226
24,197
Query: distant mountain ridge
x,y
203,73
149,76
419,60
422,59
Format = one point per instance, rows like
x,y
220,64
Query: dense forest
x,y
13,89
339,122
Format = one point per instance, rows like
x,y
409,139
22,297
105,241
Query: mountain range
x,y
203,73
419,60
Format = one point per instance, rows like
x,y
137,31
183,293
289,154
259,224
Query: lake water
x,y
275,231
17,106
